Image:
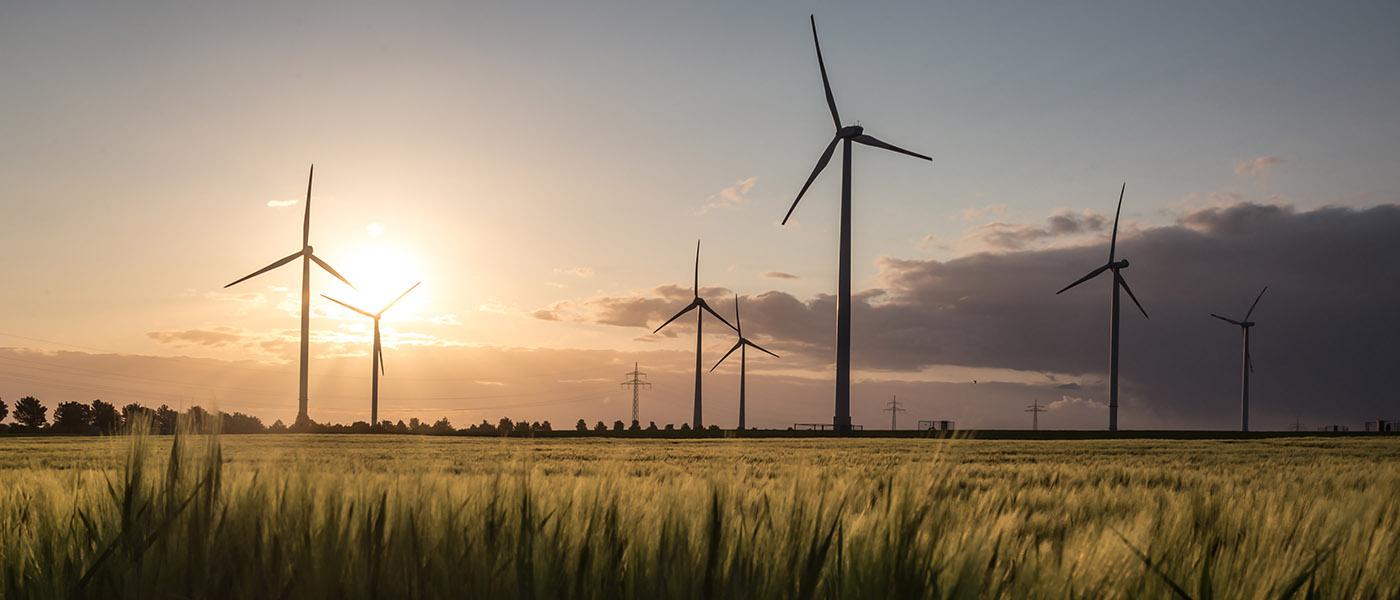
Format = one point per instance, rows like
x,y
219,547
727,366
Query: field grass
x,y
389,516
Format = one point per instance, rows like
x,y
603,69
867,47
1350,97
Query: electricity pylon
x,y
1035,409
636,380
894,408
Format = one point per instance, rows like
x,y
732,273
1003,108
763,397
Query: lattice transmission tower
x,y
894,408
636,380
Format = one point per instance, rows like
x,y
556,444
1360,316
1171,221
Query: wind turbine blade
x,y
379,357
363,312
707,308
1124,283
270,267
306,220
1251,364
759,348
396,300
331,271
873,142
826,83
1113,241
1256,302
821,164
1227,320
688,308
695,288
726,354
1092,274
738,323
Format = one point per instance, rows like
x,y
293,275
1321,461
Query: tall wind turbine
x,y
307,256
1118,283
697,303
742,346
841,421
1246,365
377,357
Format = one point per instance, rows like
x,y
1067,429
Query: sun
x,y
381,270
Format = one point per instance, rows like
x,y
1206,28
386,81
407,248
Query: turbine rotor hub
x,y
1122,264
850,131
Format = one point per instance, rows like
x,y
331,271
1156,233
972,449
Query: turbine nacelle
x,y
1122,264
849,132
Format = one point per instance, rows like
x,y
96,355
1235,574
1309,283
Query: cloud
x,y
973,213
999,310
1261,165
1001,236
733,196
1066,402
216,337
579,272
282,203
780,275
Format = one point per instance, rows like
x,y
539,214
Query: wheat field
x,y
342,516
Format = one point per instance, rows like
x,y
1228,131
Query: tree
x,y
635,426
166,419
105,417
443,426
618,426
278,427
685,426
600,427
670,427
522,428
545,426
4,409
30,413
652,426
505,426
581,425
72,417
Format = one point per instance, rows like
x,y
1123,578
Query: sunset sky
x,y
545,171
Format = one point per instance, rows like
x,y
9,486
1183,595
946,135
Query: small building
x,y
1383,426
936,425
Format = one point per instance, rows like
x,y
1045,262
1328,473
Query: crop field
x,y
342,516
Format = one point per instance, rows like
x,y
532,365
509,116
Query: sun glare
x,y
381,270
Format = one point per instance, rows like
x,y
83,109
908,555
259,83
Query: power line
x,y
636,380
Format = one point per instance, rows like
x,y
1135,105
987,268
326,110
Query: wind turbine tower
x,y
894,408
845,135
307,256
636,380
1119,284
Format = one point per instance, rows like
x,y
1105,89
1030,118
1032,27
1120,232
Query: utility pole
x,y
636,380
1035,409
894,408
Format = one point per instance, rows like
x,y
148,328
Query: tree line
x,y
29,415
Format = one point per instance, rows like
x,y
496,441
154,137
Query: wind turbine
x,y
697,303
841,421
1118,283
1247,365
377,357
307,256
742,346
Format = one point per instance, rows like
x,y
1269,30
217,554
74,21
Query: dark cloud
x,y
1326,337
1016,236
779,275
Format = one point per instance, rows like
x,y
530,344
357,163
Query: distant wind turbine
x,y
307,256
742,346
697,303
841,421
377,357
1118,283
1246,365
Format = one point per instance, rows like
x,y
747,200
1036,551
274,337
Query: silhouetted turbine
x,y
741,346
697,303
1118,282
841,421
377,357
307,256
1246,365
